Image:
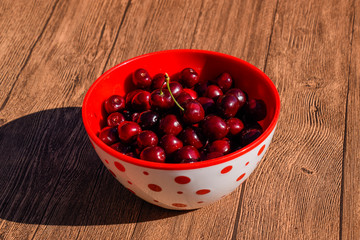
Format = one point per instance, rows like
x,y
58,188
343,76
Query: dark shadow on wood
x,y
51,175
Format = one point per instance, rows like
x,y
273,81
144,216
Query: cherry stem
x,y
167,79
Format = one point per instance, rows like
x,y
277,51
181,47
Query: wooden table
x,y
53,185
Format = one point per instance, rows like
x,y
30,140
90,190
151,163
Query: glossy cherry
x,y
183,98
120,147
176,88
224,81
256,109
161,100
214,127
189,77
240,95
148,119
146,138
187,154
128,131
248,135
109,135
213,155
129,97
235,126
222,146
208,104
191,92
141,101
114,119
193,137
115,103
170,124
141,79
153,154
213,91
193,112
158,81
170,143
228,105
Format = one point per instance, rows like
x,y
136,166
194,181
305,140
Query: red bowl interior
x,y
208,64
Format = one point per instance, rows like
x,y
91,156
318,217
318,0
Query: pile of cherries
x,y
182,120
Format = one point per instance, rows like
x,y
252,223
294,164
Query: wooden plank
x,y
296,193
351,169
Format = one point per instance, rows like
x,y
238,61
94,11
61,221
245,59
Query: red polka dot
x,y
226,169
179,205
202,191
182,180
129,182
241,176
200,202
155,187
179,192
119,166
112,173
145,173
106,161
261,150
246,163
156,200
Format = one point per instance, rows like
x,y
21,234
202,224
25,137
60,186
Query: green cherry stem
x,y
167,79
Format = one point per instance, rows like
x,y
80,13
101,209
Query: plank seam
x,y
196,25
237,218
117,34
271,33
29,55
345,128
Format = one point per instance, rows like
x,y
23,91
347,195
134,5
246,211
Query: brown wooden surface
x,y
52,184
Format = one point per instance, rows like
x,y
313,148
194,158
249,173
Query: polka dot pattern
x,y
130,182
226,169
202,191
247,163
261,150
155,188
119,166
145,173
179,192
179,205
240,177
182,180
106,161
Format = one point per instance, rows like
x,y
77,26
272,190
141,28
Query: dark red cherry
x,y
213,91
214,127
114,103
109,135
128,131
148,119
256,109
120,147
183,98
189,77
187,154
161,100
170,124
114,119
193,112
208,104
141,101
170,143
222,146
240,95
129,97
248,135
200,88
224,81
235,126
146,138
141,79
213,155
191,92
228,105
193,137
176,88
153,154
158,81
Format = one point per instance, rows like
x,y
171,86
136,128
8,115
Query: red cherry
x,y
187,154
130,95
128,131
108,135
120,147
213,91
183,98
214,127
189,77
170,143
235,126
256,109
191,92
114,103
146,138
240,95
228,105
193,112
158,81
193,137
141,78
141,101
114,119
222,146
208,104
224,81
170,124
153,154
212,155
148,119
161,100
176,88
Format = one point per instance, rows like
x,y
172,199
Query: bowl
x,y
187,185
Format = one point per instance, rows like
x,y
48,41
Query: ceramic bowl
x,y
187,185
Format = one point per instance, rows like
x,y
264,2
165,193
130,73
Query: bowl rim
x,y
181,166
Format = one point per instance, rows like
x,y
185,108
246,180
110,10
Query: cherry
x,y
158,81
128,131
248,135
191,92
200,88
141,79
212,155
176,88
228,105
120,147
235,126
141,101
193,137
170,143
183,98
170,124
148,119
146,138
187,154
193,112
213,91
114,119
115,103
214,127
224,81
222,146
208,104
240,95
109,135
189,77
153,154
129,97
160,100
256,109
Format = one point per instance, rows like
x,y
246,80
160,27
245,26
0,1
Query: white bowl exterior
x,y
185,189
